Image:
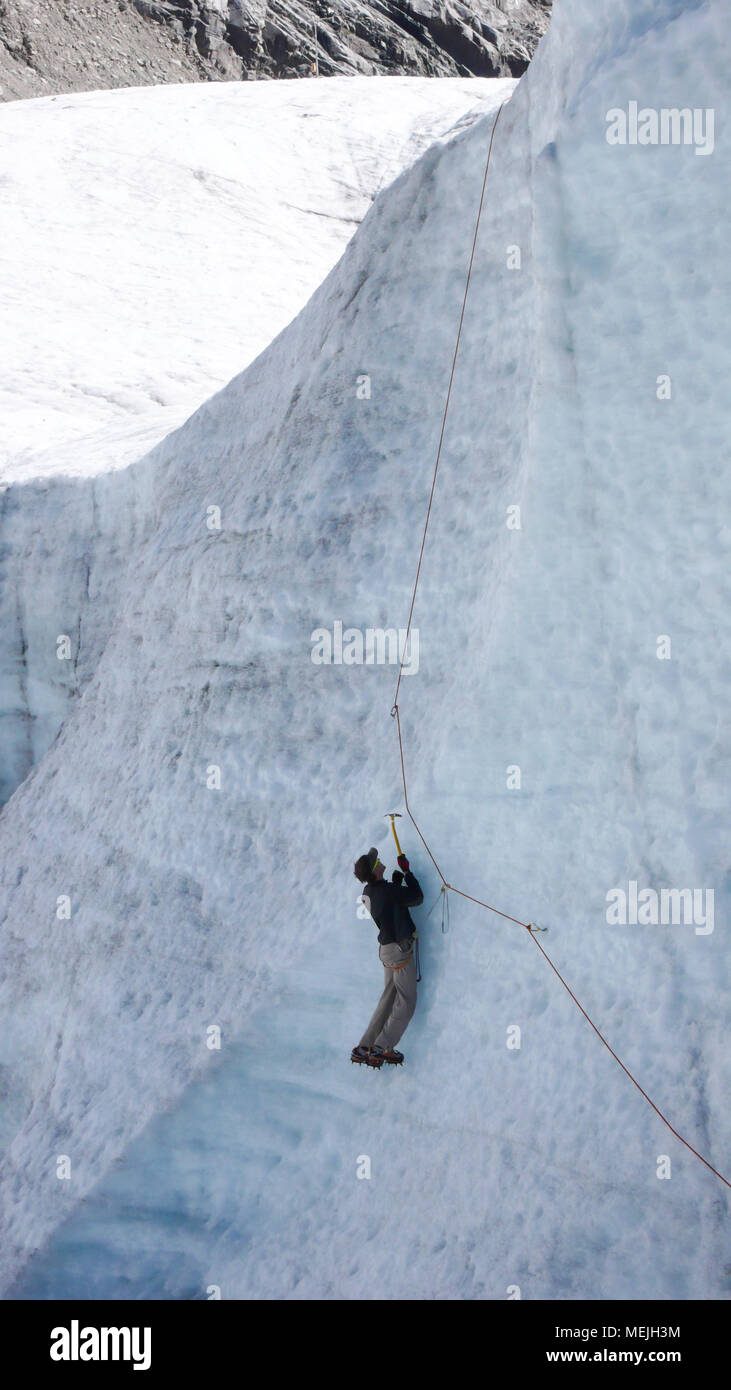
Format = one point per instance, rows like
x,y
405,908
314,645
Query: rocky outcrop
x,y
51,46
415,36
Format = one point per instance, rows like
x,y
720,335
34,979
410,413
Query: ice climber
x,y
388,905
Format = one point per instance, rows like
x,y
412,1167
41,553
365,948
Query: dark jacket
x,y
389,903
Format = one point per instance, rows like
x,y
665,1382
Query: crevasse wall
x,y
538,648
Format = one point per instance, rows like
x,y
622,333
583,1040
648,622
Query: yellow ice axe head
x,y
391,815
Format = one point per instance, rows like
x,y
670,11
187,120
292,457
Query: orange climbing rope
x,y
529,926
446,403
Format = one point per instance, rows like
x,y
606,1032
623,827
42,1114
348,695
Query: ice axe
x,y
392,816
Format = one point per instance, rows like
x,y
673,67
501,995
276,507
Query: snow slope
x,y
236,907
152,242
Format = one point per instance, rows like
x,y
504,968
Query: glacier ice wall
x,y
190,903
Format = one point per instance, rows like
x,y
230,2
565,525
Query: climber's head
x,y
368,868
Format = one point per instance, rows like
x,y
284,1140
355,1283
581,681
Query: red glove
x,y
403,863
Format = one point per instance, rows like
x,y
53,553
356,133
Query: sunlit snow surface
x,y
490,1168
153,241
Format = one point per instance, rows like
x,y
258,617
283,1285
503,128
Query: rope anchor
x,y
441,897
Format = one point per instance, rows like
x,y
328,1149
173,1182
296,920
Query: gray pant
x,y
396,1005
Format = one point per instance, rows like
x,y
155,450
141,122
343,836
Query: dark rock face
x,y
49,46
436,37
